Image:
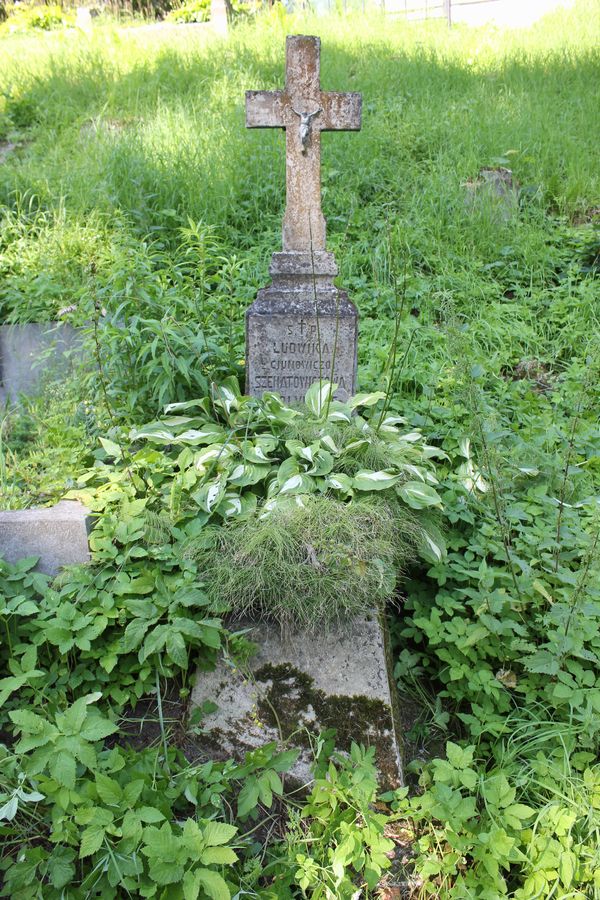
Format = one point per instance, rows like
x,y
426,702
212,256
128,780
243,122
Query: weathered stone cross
x,y
304,110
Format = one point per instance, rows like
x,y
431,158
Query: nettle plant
x,y
336,494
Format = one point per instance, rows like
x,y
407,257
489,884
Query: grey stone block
x,y
57,534
301,329
23,367
298,685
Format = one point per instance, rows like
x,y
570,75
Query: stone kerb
x,y
34,352
58,535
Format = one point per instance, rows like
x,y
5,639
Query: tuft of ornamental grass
x,y
314,563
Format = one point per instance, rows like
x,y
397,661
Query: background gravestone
x,y
301,328
29,353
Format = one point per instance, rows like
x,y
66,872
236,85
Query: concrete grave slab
x,y
22,368
298,685
57,534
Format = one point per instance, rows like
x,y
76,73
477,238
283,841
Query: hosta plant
x,y
354,479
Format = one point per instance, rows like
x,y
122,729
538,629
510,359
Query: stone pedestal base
x,y
57,534
301,329
296,687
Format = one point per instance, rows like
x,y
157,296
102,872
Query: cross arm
x,y
342,111
264,109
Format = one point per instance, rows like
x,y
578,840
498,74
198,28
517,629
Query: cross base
x,y
301,329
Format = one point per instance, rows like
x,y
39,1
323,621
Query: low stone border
x,y
58,535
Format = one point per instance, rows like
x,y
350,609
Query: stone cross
x,y
301,328
304,110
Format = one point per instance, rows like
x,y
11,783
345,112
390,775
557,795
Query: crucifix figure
x,y
304,110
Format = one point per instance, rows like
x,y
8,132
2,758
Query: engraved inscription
x,y
286,354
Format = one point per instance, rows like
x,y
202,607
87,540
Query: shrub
x,y
194,11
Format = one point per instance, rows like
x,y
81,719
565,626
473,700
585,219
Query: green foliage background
x,y
136,196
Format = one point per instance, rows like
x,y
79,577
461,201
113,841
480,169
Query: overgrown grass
x,y
318,563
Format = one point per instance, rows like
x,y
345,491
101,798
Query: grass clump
x,y
311,562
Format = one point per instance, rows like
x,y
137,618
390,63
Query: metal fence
x,y
435,9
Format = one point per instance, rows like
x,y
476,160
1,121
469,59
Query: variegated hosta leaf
x,y
287,468
198,436
430,452
365,399
248,473
374,481
418,495
209,495
339,481
280,502
431,546
390,422
203,404
210,454
322,463
339,412
329,444
357,445
471,477
156,435
415,471
237,504
258,451
227,394
464,447
298,484
319,395
412,437
276,410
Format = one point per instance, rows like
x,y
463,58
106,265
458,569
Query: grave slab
x,y
57,534
22,368
299,684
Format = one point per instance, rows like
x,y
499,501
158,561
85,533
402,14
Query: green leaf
x,y
248,796
9,810
191,885
319,395
418,495
164,872
74,717
374,481
63,769
457,756
221,856
109,790
176,648
154,642
96,728
111,449
132,791
60,867
213,884
91,840
217,833
366,399
134,634
28,722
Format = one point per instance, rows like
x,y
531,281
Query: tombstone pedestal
x,y
298,685
301,329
